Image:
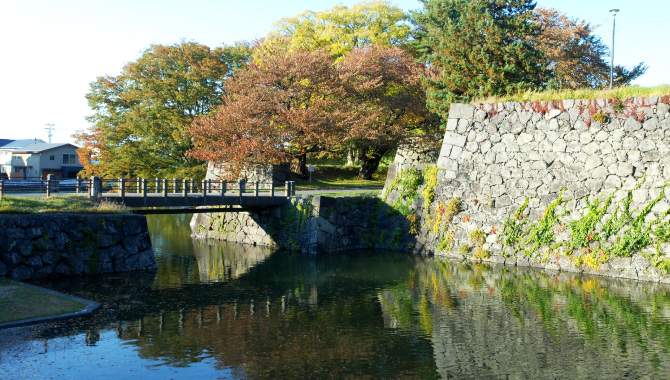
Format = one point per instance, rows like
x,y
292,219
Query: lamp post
x,y
613,12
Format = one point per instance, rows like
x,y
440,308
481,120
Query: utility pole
x,y
613,12
50,128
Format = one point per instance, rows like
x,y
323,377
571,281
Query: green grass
x,y
66,204
364,193
340,177
19,302
616,93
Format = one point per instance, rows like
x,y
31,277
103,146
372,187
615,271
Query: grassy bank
x,y
68,204
19,302
616,93
340,177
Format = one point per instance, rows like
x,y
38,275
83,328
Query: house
x,y
7,147
38,159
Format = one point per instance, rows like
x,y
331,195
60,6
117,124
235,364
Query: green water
x,y
219,310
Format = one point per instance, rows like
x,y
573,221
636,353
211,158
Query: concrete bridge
x,y
185,195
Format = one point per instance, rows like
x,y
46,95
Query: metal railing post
x,y
256,190
49,184
122,189
139,185
144,192
78,189
287,192
2,188
165,190
185,192
204,192
272,191
176,185
241,183
223,190
158,185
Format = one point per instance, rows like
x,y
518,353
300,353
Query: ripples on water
x,y
229,311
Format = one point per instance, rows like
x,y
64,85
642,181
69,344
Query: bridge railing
x,y
171,188
97,186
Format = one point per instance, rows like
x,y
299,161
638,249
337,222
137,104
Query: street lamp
x,y
613,12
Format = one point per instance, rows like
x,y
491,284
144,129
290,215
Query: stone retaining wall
x,y
53,245
568,185
311,225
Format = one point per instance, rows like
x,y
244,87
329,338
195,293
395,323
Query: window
x,y
17,157
52,157
69,159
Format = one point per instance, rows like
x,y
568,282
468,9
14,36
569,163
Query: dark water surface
x,y
230,311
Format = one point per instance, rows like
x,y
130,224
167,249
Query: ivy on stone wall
x,y
596,236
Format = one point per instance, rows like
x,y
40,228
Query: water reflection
x,y
228,310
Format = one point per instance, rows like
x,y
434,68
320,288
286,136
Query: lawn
x,y
69,204
340,177
20,302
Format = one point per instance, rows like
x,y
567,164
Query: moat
x,y
221,310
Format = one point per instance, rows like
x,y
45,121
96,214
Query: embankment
x,y
56,245
311,225
576,185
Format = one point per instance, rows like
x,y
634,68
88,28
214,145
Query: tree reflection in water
x,y
371,314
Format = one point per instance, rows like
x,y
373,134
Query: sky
x,y
53,49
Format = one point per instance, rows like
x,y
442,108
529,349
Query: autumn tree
x,y
385,103
477,48
287,104
576,56
284,105
140,115
340,29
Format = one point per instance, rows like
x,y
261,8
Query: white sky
x,y
53,49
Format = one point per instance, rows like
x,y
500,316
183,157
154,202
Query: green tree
x,y
341,29
138,125
477,48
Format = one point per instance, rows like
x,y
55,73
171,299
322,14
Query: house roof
x,y
4,142
16,144
39,147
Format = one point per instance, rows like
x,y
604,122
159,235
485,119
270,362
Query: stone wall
x,y
569,185
264,174
418,156
53,245
311,225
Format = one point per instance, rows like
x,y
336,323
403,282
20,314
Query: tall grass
x,y
616,93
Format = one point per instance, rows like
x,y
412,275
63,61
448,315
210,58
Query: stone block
x,y
452,124
452,138
21,273
461,111
15,233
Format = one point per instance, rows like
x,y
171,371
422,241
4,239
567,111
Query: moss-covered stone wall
x,y
57,245
576,185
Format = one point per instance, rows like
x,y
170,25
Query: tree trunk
x,y
299,166
370,162
352,156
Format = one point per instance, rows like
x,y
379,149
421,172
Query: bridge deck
x,y
248,200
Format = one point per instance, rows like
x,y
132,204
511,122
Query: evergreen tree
x,y
477,48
